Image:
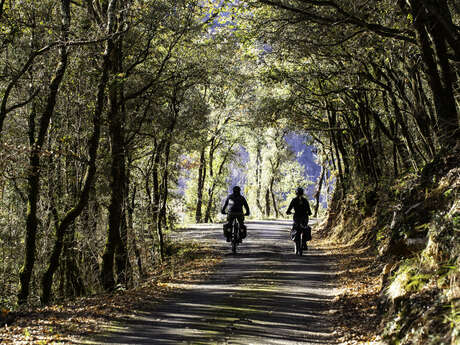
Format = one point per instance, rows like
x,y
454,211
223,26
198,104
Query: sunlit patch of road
x,y
264,294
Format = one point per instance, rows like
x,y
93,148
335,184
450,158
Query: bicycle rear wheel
x,y
235,232
298,245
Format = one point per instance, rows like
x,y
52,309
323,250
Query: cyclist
x,y
235,203
302,211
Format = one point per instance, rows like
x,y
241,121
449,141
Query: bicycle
x,y
298,232
235,236
296,235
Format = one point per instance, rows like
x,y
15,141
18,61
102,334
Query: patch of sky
x,y
238,170
305,154
185,172
224,17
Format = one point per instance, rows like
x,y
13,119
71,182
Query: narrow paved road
x,y
265,294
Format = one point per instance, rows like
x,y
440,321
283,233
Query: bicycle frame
x,y
298,238
235,236
300,229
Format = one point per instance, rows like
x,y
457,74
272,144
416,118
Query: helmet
x,y
299,191
236,190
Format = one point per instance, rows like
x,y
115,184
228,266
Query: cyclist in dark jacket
x,y
302,210
235,203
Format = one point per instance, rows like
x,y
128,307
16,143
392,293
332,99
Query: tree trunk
x,y
275,208
115,246
332,123
439,12
421,116
212,148
200,187
267,203
164,193
441,85
258,179
213,186
369,155
156,182
123,266
74,285
319,186
34,158
130,224
164,197
72,214
405,132
31,222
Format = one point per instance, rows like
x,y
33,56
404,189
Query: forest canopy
x,y
120,119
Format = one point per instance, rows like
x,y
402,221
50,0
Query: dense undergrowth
x,y
411,228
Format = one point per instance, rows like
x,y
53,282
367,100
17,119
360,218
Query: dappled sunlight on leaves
x,y
357,318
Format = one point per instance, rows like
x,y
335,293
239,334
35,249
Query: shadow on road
x,y
263,295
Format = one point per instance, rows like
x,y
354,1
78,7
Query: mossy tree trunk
x,y
131,232
71,215
432,32
34,157
115,245
74,285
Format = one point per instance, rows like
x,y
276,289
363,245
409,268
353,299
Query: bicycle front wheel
x,y
235,232
234,246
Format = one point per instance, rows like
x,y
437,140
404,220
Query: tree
x,y
36,141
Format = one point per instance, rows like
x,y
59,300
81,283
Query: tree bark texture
x,y
437,67
116,117
319,186
71,215
34,158
200,186
258,178
267,203
272,193
164,199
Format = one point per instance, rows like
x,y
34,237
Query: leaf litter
x,y
66,323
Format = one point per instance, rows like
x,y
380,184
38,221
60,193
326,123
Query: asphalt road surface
x,y
264,294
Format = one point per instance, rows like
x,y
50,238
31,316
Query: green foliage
x,y
453,317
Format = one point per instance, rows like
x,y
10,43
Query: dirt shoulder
x,y
356,303
69,322
263,295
